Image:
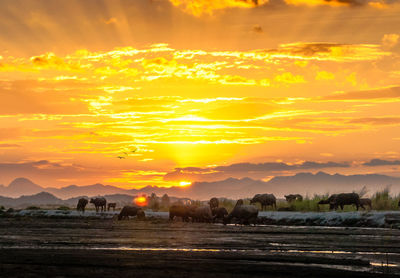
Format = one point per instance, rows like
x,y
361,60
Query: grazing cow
x,y
202,214
99,203
293,197
219,213
366,202
111,205
131,211
214,203
265,200
343,199
329,201
82,202
245,214
181,210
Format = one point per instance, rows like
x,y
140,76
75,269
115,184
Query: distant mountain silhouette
x,y
19,187
302,183
87,190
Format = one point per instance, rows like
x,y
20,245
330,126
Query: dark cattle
x,y
293,197
180,210
214,203
219,213
81,204
265,200
245,214
343,199
202,214
329,201
365,202
131,211
99,203
111,205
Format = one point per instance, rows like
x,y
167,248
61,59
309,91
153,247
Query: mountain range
x,y
302,183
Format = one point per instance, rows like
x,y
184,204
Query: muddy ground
x,y
81,247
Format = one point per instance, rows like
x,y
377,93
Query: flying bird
x,y
134,150
121,157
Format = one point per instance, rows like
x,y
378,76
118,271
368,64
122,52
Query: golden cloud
x,y
201,7
390,40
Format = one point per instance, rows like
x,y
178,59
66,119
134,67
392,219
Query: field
x,y
100,247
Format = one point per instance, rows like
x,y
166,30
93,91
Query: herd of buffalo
x,y
241,213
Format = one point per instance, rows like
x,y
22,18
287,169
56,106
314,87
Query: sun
x,y
184,183
140,201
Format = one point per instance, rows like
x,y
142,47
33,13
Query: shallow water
x,y
357,249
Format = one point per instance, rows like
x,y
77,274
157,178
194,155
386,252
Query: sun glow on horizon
x,y
141,201
185,183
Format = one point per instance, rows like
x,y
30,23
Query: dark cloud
x,y
381,162
278,166
253,170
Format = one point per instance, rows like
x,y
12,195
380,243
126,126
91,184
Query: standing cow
x,y
265,200
202,214
293,197
82,202
214,203
111,205
343,199
180,210
219,213
99,202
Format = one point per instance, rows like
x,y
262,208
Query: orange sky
x,y
196,85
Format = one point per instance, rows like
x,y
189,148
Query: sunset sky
x,y
197,90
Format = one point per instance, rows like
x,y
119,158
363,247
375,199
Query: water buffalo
x,y
329,201
219,213
214,203
265,200
82,202
99,203
202,214
245,214
131,211
293,197
343,199
180,210
111,205
366,202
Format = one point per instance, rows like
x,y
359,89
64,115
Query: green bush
x,y
33,208
63,208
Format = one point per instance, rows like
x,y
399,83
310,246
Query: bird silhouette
x,y
121,157
134,150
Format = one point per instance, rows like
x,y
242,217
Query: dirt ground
x,y
81,247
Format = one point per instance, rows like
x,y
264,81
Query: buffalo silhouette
x,y
265,200
99,202
82,202
131,211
